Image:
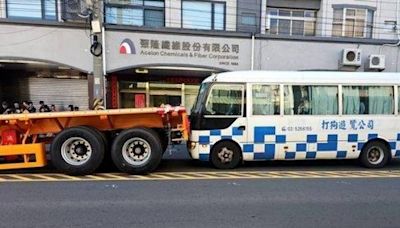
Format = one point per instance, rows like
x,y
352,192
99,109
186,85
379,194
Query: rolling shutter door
x,y
60,92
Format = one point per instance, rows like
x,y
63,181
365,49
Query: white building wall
x,y
2,8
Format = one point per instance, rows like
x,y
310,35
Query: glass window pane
x,y
219,16
360,13
111,15
265,99
359,28
132,16
284,26
225,100
337,30
309,14
196,15
309,28
350,12
50,9
311,100
338,16
284,13
273,27
367,100
154,18
349,28
324,100
299,100
248,19
24,8
273,12
298,28
297,13
154,3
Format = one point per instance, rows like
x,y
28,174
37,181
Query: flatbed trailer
x,y
134,139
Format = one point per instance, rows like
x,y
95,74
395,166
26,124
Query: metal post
x,y
98,76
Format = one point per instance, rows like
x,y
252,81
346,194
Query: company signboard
x,y
129,50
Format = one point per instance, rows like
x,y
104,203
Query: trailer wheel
x,y
137,151
77,151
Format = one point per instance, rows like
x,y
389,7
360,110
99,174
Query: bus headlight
x,y
192,145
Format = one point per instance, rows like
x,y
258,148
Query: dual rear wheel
x,y
81,150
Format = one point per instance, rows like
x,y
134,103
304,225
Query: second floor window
x,y
291,22
353,22
203,15
32,9
148,13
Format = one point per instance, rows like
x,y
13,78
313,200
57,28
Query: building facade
x,y
158,51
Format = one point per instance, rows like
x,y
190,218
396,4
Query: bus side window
x,y
367,100
311,100
266,99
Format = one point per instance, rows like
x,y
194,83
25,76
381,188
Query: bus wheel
x,y
375,155
225,155
137,151
77,151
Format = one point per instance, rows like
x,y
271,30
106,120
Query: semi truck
x,y
79,142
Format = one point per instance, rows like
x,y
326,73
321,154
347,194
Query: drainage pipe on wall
x,y
252,51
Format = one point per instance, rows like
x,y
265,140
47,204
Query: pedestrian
x,y
6,109
17,108
76,108
53,108
31,107
43,107
71,107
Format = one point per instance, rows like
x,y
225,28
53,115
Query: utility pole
x,y
96,80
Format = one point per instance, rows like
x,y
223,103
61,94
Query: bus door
x,y
224,113
264,122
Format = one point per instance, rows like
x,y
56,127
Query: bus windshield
x,y
202,92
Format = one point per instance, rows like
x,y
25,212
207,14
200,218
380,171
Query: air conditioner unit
x,y
74,10
375,62
351,57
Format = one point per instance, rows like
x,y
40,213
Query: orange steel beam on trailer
x,y
26,151
54,122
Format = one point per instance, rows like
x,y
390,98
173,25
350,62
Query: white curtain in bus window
x,y
367,100
225,100
324,100
311,100
265,99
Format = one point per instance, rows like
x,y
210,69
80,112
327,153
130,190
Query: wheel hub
x,y
375,155
136,151
225,155
76,151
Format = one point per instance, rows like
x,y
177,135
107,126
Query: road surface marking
x,y
204,175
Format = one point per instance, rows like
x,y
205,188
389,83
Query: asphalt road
x,y
203,203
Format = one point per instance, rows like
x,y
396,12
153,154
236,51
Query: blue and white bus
x,y
267,115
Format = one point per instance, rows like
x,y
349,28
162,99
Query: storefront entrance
x,y
152,94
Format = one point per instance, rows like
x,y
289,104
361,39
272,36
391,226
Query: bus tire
x,y
77,151
375,154
137,151
225,155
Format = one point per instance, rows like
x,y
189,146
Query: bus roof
x,y
307,77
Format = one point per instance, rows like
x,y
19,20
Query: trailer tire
x,y
137,151
77,151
